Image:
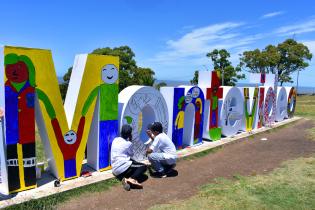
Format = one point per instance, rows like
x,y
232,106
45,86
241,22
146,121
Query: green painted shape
x,y
214,102
128,119
18,86
108,102
89,101
49,107
215,134
250,116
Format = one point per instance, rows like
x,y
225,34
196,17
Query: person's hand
x,y
149,151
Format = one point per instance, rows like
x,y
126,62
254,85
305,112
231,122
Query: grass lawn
x,y
290,187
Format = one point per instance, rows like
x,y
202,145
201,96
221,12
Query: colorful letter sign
x,y
91,114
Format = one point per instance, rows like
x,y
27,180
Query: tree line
x,y
284,59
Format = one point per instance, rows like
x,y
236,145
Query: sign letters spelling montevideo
x,y
94,111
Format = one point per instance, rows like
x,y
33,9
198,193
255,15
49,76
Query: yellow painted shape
x,y
106,169
21,165
46,80
91,79
140,122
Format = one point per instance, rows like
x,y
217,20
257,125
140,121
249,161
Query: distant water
x,y
173,83
301,89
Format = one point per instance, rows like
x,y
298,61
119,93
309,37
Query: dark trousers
x,y
28,151
135,171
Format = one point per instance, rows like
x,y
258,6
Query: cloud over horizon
x,y
195,44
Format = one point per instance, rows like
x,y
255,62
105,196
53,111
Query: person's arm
x,y
80,132
129,150
58,133
89,101
151,136
52,115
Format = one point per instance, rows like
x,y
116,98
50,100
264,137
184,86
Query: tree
x,y
64,86
143,76
221,63
129,72
293,57
159,85
285,58
194,81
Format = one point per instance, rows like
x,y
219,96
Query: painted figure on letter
x,y
20,122
108,124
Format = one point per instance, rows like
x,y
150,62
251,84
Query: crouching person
x,y
123,167
162,153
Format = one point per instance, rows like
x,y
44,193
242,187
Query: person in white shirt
x,y
123,167
162,152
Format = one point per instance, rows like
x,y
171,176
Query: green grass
x,y
305,107
52,201
290,187
40,154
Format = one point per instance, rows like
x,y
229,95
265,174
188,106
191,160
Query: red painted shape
x,y
26,114
260,106
16,72
262,78
69,151
215,90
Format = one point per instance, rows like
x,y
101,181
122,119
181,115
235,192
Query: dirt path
x,y
245,157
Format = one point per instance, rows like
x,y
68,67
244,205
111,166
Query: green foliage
x,y
129,72
285,58
159,85
64,86
194,81
221,63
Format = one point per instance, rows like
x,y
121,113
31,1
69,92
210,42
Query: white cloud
x,y
311,46
194,45
272,14
298,28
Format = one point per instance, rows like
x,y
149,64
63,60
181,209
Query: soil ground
x,y
248,156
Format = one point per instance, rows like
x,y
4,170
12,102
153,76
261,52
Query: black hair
x,y
126,131
156,126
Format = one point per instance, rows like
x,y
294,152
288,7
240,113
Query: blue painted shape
x,y
11,116
70,168
200,125
214,118
30,100
108,131
177,134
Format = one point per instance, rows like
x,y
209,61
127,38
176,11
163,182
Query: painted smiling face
x,y
109,74
70,137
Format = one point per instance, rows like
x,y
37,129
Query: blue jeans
x,y
158,161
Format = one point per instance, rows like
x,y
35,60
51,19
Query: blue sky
x,y
169,36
